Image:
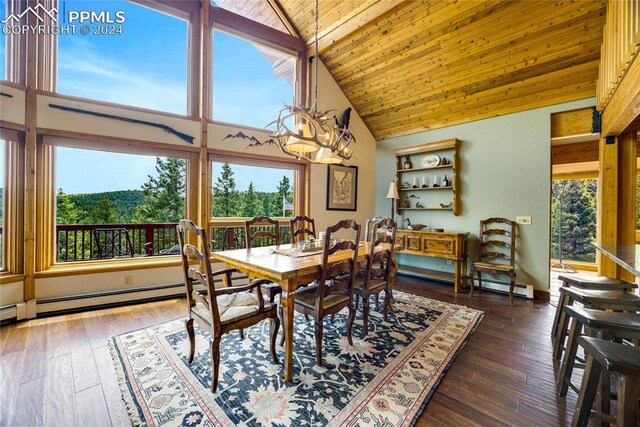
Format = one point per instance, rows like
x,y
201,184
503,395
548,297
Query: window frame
x,y
261,35
185,11
46,264
13,205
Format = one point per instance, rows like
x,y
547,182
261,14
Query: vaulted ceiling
x,y
408,66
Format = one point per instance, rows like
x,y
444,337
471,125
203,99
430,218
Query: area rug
x,y
385,378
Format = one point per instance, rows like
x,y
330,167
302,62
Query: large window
x,y
3,42
3,185
244,188
143,65
573,219
250,82
116,205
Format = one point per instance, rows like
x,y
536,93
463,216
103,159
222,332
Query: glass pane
x,y
102,194
256,10
3,42
248,191
573,219
2,192
250,82
144,66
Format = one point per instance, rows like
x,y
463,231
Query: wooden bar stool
x,y
602,324
612,357
602,300
584,281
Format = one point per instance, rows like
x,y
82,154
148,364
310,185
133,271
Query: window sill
x,y
106,266
7,277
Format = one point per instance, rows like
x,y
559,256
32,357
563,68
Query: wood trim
x,y
570,123
115,105
106,266
607,222
14,85
624,105
627,173
575,153
6,278
447,144
578,265
13,126
239,26
238,126
13,236
206,104
107,143
177,8
216,155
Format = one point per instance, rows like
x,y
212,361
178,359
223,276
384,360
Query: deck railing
x,y
76,242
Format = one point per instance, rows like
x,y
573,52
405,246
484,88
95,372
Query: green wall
x,y
504,170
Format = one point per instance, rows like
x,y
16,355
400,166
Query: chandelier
x,y
315,136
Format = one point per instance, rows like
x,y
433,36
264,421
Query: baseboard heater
x,y
499,286
8,313
96,300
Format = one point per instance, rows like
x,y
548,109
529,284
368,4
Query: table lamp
x,y
393,195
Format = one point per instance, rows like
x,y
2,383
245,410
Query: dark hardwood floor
x,y
57,371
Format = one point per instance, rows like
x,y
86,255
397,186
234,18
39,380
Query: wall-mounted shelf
x,y
450,208
450,187
447,149
425,169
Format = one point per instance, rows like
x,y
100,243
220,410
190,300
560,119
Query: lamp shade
x,y
393,191
298,145
326,156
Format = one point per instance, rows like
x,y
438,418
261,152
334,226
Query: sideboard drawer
x,y
412,243
446,247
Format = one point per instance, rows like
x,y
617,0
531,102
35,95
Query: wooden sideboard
x,y
445,245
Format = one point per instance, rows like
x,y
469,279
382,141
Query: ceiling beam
x,y
360,16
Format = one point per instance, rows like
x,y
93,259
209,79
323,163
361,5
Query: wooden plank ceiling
x,y
426,64
408,66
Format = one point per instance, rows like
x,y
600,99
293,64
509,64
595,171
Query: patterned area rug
x,y
384,379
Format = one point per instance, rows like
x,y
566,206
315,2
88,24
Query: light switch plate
x,y
524,220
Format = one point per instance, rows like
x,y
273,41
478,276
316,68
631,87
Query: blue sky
x,y
146,67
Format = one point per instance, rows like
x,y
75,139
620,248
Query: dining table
x,y
290,269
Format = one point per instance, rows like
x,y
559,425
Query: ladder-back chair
x,y
496,252
269,231
334,289
220,310
302,227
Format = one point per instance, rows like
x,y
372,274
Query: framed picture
x,y
342,188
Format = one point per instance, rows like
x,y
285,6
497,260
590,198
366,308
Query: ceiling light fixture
x,y
313,131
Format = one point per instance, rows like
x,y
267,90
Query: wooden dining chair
x,y
268,232
302,227
378,270
496,252
334,289
222,310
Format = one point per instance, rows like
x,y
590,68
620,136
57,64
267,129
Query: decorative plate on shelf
x,y
430,161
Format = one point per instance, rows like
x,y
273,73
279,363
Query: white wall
x,y
504,171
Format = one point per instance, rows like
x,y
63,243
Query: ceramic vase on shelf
x,y
445,181
407,163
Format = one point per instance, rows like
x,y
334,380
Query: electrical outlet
x,y
524,220
128,280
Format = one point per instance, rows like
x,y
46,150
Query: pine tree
x,y
251,205
578,219
102,213
164,195
66,210
226,199
284,191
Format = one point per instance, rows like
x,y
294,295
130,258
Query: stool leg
x,y
628,394
556,318
563,325
569,359
587,393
